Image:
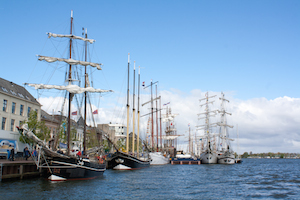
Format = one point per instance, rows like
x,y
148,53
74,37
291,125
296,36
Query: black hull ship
x,y
57,166
124,161
60,167
72,169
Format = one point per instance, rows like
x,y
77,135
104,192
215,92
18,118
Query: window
x,y
21,109
12,125
4,105
13,108
3,123
28,112
20,122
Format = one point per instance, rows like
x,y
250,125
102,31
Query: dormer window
x,y
4,89
13,92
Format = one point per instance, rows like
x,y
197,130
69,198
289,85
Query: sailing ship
x,y
225,155
58,166
208,152
130,160
158,155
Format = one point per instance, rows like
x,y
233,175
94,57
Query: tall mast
x,y
133,109
70,94
85,85
152,134
160,124
156,114
127,138
138,128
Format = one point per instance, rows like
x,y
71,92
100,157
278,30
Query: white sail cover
x,y
71,37
169,137
70,88
24,130
69,61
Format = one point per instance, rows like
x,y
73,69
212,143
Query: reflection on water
x,y
254,178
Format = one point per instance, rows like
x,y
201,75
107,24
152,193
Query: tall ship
x,y
208,150
225,154
58,165
130,160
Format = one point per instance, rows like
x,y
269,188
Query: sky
x,y
247,49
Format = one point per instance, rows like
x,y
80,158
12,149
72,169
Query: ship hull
x,y
226,158
157,158
63,169
123,161
208,158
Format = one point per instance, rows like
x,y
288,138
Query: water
x,y
253,179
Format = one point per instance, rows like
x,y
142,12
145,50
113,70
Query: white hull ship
x,y
208,155
157,158
226,155
208,158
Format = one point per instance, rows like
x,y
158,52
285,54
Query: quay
x,y
184,161
18,169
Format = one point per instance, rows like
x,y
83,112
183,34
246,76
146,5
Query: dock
x,y
18,169
185,161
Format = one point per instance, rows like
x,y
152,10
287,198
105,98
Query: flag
x,y
189,124
95,112
74,113
166,104
143,84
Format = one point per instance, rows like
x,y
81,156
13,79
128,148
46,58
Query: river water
x,y
253,179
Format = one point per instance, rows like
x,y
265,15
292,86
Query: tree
x,y
37,127
245,155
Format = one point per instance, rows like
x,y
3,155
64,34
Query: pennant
x,y
74,113
95,112
143,84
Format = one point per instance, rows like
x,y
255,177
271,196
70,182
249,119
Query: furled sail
x,y
75,89
169,137
69,61
24,130
71,37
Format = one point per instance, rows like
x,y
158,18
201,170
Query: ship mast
x,y
127,137
133,109
85,85
207,124
70,94
138,128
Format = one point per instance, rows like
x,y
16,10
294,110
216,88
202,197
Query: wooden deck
x,y
18,169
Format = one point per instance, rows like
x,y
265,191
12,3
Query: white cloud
x,y
264,125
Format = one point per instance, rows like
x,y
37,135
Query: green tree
x,y
37,127
245,155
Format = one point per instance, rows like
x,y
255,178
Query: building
x,y
114,131
52,124
17,103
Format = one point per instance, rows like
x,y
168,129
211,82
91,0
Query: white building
x,y
16,103
114,131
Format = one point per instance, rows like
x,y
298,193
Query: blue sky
x,y
248,49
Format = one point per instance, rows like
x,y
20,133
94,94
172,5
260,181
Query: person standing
x,y
8,154
12,154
